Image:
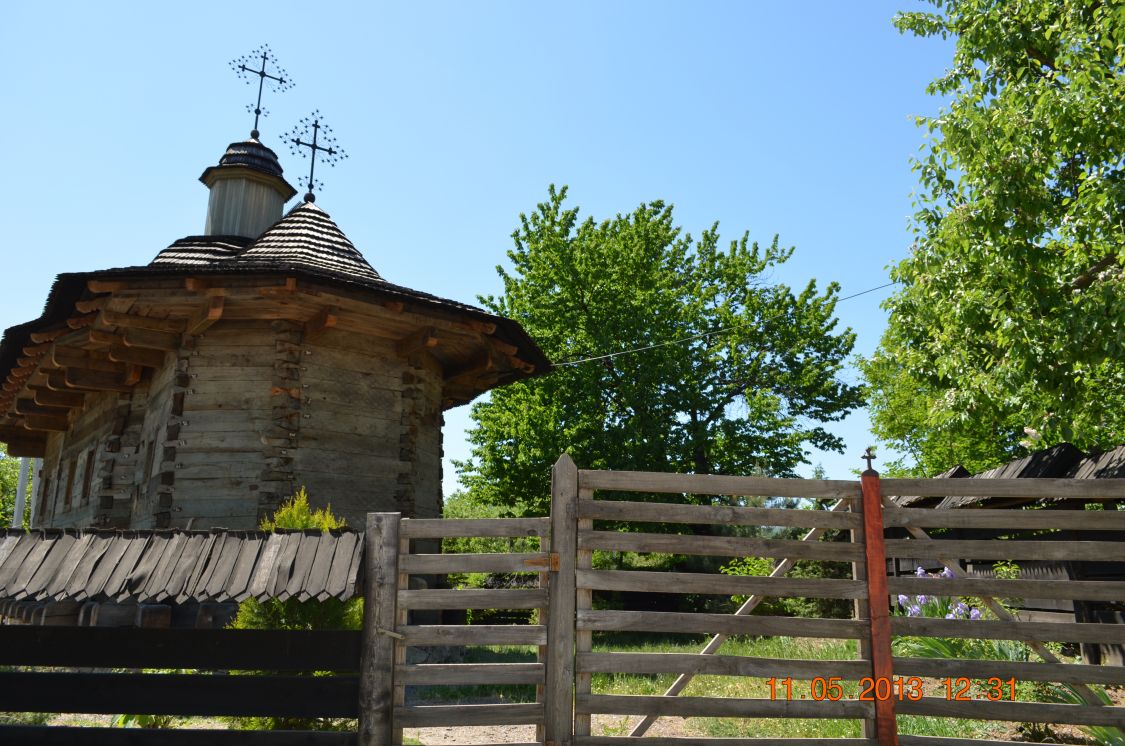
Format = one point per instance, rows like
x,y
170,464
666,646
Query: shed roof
x,y
178,566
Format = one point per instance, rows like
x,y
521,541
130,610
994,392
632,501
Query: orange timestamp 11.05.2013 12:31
x,y
872,689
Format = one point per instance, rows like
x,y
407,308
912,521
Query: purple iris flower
x,y
920,572
974,613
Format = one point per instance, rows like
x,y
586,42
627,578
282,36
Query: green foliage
x,y
747,392
1009,324
9,483
293,614
147,721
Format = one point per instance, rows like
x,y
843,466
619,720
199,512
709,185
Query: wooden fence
x,y
885,686
411,634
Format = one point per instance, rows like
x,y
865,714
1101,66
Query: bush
x,y
293,614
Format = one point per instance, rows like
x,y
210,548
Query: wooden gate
x,y
589,511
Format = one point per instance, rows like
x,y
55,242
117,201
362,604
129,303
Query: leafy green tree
x,y
736,375
9,483
1010,321
293,614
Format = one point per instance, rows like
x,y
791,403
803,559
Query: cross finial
x,y
868,456
311,133
261,59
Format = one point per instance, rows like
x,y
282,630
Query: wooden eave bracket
x,y
207,316
425,338
143,323
322,322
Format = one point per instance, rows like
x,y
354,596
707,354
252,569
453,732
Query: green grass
x,y
717,686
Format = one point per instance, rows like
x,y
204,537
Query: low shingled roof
x,y
178,566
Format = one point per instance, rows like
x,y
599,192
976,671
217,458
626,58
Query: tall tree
x,y
1011,321
735,376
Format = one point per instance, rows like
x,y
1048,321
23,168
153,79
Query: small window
x,y
69,494
88,476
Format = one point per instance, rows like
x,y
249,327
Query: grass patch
x,y
714,686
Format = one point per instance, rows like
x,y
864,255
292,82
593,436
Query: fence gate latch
x,y
549,562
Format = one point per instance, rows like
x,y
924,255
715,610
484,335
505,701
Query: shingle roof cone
x,y
307,238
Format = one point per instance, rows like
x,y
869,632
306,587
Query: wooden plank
x,y
244,565
53,735
715,484
647,512
1084,520
182,694
738,707
720,546
1086,590
462,674
377,688
437,716
302,564
720,665
440,528
584,601
886,725
338,574
421,635
1072,551
1109,634
441,564
561,613
318,573
687,623
263,569
1070,673
1084,489
726,585
473,599
111,559
1020,712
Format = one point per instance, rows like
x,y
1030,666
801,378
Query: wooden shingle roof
x,y
178,566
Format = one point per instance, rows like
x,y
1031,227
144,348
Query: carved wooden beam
x,y
66,357
81,322
50,398
51,423
203,320
151,340
321,323
48,335
30,406
91,305
133,321
36,349
423,339
27,447
98,380
105,286
137,356
479,363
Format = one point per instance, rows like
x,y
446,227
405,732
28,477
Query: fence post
x,y
559,689
377,659
886,728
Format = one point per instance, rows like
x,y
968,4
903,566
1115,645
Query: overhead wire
x,y
694,337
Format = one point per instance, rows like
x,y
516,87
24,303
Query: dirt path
x,y
602,725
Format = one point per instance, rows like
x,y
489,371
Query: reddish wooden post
x,y
886,728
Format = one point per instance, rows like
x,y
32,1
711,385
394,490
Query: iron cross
x,y
280,82
868,456
322,142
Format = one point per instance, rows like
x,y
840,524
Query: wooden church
x,y
204,388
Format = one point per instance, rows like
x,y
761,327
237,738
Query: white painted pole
x,y
21,493
36,469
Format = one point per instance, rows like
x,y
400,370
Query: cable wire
x,y
692,338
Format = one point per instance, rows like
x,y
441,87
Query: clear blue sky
x,y
777,118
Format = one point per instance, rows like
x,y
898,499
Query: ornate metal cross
x,y
320,140
262,57
868,456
